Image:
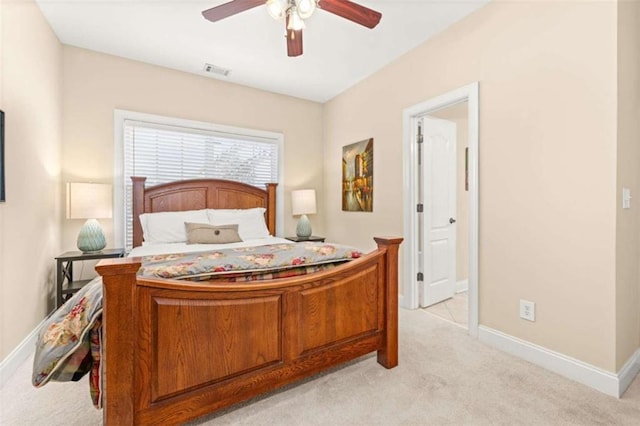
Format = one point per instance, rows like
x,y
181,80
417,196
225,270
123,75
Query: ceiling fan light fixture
x,y
295,21
277,8
305,8
295,12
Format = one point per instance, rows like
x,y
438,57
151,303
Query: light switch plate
x,y
626,198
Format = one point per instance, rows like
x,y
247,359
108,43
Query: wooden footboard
x,y
176,350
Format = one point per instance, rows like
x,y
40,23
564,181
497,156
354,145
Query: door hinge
x,y
420,276
420,208
420,138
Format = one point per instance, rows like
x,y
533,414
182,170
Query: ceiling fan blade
x,y
229,9
294,41
351,11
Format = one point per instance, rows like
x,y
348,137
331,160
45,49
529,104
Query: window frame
x,y
120,116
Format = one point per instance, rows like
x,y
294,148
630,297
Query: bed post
x,y
138,208
119,303
388,356
271,208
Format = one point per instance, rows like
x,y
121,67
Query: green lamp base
x,y
303,229
91,239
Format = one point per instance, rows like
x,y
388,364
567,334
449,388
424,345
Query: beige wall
x,y
95,84
628,176
30,96
547,73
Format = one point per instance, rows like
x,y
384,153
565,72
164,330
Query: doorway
x,y
440,254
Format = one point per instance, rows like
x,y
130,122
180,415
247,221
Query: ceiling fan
x,y
295,12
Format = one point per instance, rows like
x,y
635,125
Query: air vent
x,y
213,69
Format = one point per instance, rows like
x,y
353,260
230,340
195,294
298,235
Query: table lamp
x,y
90,201
303,202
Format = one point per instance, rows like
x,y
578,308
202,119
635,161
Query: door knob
x,y
452,220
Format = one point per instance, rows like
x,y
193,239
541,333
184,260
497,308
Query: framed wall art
x,y
357,176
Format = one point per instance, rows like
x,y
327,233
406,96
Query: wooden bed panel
x,y
339,311
233,199
130,355
225,338
194,199
177,410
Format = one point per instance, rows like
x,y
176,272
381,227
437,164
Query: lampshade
x,y
277,8
296,11
295,21
303,201
89,201
305,8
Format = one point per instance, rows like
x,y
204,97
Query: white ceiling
x,y
173,34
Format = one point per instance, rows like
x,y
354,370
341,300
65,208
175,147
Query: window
x,y
164,150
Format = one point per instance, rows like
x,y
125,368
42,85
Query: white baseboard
x,y
462,285
571,368
10,364
628,372
401,301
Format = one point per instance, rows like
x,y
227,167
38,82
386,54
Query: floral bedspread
x,y
230,263
68,344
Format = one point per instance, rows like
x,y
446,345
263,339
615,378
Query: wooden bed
x,y
176,350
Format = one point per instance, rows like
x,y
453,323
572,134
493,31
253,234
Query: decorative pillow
x,y
251,224
203,233
168,227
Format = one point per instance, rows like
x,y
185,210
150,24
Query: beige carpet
x,y
444,377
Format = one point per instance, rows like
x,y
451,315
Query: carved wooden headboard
x,y
199,194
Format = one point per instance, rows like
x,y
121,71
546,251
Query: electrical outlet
x,y
527,310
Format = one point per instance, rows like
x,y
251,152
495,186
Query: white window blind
x,y
164,153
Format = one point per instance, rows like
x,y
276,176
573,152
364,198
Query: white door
x,y
438,196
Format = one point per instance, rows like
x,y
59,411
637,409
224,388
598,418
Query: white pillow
x,y
168,227
251,224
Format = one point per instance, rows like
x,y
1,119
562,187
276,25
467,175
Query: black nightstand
x,y
65,286
311,238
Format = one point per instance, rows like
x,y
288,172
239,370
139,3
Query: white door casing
x,y
469,93
438,188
